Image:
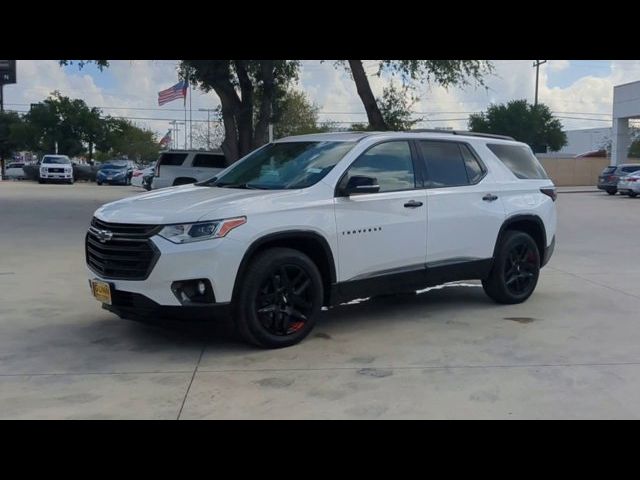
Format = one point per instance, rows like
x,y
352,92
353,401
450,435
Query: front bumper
x,y
136,306
113,181
56,176
217,260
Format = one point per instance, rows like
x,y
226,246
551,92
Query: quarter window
x,y
174,159
519,159
206,160
389,163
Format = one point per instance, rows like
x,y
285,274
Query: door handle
x,y
413,204
489,197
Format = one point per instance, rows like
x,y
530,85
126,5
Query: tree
x,y
121,138
531,124
295,114
62,121
395,109
238,83
10,139
445,73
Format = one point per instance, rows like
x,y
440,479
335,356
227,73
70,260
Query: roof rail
x,y
463,132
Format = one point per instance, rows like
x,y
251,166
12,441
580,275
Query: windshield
x,y
114,165
56,160
280,166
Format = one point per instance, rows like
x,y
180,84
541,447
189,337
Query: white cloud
x,y
136,84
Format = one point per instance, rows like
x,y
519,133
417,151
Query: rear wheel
x,y
632,194
515,270
279,298
612,191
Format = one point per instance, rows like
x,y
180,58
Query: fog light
x,y
193,291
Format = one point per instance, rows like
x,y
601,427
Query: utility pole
x,y
537,64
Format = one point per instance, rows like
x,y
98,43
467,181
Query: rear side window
x,y
446,166
520,160
208,160
175,159
634,168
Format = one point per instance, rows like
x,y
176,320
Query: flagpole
x,y
185,122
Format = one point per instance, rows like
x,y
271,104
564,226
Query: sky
x,y
579,92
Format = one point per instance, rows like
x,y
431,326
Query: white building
x,y
584,140
626,105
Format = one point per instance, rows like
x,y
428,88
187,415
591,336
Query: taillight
x,y
632,179
137,174
550,192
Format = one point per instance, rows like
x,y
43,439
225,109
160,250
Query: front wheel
x,y
515,270
612,191
279,298
633,194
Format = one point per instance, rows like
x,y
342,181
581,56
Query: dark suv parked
x,y
608,179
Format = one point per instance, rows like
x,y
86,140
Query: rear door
x,y
207,165
169,167
464,211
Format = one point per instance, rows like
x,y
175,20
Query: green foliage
x,y
534,125
121,138
396,108
634,149
445,73
10,126
295,114
101,64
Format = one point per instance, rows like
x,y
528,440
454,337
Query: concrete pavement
x,y
570,351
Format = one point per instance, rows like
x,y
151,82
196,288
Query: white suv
x,y
316,220
181,167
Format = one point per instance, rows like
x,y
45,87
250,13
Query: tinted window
x,y
520,160
634,168
174,159
209,161
475,171
445,165
389,163
283,165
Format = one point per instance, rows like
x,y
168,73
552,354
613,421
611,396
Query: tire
x,y
40,181
612,191
516,268
98,183
268,311
632,194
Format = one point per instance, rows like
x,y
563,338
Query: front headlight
x,y
195,232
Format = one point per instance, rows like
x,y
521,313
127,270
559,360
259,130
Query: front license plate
x,y
102,291
109,178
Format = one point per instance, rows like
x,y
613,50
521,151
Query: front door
x,y
385,232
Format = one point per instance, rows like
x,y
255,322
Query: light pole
x,y
208,110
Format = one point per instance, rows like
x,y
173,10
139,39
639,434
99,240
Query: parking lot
x,y
571,351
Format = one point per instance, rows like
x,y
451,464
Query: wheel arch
x,y
530,224
309,242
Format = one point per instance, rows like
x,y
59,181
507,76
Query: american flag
x,y
166,140
179,90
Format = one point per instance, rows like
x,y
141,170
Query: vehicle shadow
x,y
435,304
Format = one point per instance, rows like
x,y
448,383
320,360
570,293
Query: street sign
x,y
7,72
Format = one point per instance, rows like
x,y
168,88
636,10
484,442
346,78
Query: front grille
x,y
56,170
127,255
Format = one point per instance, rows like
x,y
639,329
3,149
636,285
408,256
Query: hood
x,y
184,204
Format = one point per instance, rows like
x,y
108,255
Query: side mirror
x,y
361,184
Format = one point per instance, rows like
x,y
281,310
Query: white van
x,y
181,167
